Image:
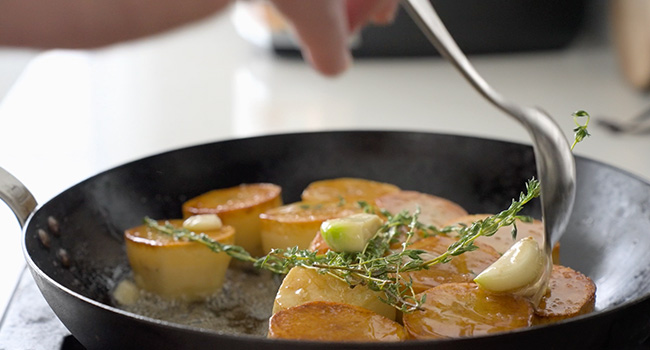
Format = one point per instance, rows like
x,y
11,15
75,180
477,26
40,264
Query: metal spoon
x,y
554,160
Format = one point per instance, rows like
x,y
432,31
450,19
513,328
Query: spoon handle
x,y
431,25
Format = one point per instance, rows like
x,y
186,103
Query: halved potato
x,y
177,269
502,240
462,268
302,285
296,224
570,294
330,321
434,210
239,207
463,309
346,188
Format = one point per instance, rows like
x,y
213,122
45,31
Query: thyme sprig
x,y
490,225
379,266
581,129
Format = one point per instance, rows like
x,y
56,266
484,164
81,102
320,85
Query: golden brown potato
x,y
318,244
302,285
330,321
239,207
433,210
502,240
296,224
463,309
173,268
570,294
346,188
462,268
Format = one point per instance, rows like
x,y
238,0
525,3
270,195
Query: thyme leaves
x,y
581,129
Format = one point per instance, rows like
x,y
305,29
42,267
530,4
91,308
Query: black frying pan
x,y
607,239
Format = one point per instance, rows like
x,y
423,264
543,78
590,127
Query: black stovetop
x,y
30,324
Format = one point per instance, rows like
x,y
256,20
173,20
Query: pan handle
x,y
17,196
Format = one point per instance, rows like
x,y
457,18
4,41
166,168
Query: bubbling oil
x,y
243,305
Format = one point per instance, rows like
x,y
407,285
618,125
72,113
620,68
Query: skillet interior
x,y
607,237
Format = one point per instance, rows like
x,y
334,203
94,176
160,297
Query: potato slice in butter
x,y
296,224
173,268
331,321
302,285
570,293
455,310
239,207
434,210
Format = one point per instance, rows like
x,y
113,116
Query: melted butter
x,y
230,311
542,285
462,310
570,293
383,331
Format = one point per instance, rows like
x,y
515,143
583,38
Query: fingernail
x,y
330,65
385,17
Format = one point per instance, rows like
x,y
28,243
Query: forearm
x,y
94,23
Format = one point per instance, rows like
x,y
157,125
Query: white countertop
x,y
71,114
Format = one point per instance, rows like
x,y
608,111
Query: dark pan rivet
x,y
64,257
44,238
53,224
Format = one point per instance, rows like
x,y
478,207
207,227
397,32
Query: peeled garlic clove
x,y
519,267
126,293
350,234
202,222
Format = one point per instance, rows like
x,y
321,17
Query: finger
x,y
386,12
360,12
322,29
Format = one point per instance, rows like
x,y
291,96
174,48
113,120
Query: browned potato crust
x,y
224,200
434,210
330,321
570,294
462,268
240,207
346,188
463,309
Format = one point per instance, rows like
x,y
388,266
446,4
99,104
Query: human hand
x,y
324,27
